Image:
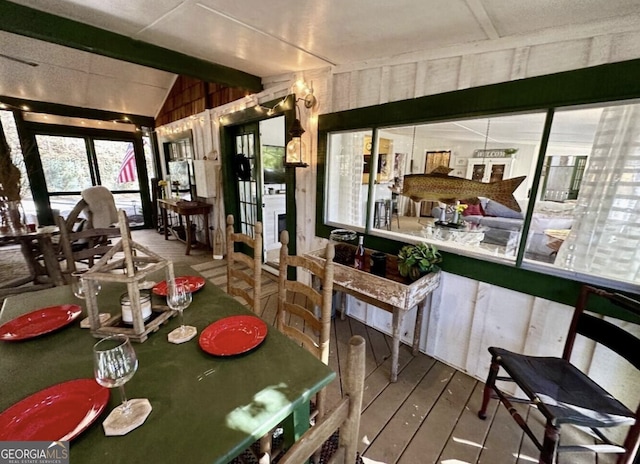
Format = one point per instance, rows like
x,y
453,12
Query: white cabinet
x,y
489,169
205,174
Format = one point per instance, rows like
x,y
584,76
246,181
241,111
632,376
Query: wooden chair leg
x,y
491,381
265,445
550,444
631,444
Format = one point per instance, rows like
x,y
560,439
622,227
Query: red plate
x,y
233,335
58,413
195,283
39,322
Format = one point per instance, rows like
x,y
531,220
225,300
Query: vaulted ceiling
x,y
241,42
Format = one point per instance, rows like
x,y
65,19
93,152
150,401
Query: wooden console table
x,y
186,209
390,293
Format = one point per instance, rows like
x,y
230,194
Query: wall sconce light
x,y
296,153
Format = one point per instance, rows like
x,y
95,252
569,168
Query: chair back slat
x,y
316,306
610,335
85,246
345,416
245,281
621,341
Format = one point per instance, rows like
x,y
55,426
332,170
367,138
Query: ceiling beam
x,y
39,25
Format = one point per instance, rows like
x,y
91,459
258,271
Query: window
x,y
346,195
11,135
69,167
579,214
598,233
423,169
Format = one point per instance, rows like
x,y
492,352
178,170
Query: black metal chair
x,y
565,395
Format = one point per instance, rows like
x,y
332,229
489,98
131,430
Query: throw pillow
x,y
473,210
474,207
496,209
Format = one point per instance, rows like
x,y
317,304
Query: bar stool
x,y
380,214
393,210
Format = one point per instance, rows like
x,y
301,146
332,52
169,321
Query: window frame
x,y
599,85
39,188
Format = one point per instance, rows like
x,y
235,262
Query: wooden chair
x,y
239,279
566,396
84,246
102,207
302,323
345,416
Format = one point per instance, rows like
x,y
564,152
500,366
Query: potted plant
x,y
417,260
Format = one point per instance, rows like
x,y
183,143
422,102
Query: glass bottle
x,y
359,258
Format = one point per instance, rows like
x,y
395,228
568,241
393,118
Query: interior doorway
x,y
260,177
274,204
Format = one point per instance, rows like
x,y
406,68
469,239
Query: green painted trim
x,y
35,172
143,181
37,24
605,83
546,131
75,112
74,131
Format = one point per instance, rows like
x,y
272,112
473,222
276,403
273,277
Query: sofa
x,y
503,225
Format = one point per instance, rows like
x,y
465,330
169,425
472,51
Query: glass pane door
x,y
72,164
249,192
67,171
116,168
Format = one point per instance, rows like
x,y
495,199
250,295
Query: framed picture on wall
x,y
383,171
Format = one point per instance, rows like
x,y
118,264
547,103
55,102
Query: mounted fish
x,y
440,186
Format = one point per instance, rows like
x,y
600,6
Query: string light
x,y
221,114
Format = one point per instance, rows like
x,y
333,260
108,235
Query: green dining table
x,y
206,409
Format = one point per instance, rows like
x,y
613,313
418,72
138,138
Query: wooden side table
x,y
186,209
390,293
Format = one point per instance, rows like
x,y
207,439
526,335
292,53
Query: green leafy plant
x,y
419,259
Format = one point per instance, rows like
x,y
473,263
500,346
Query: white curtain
x,y
605,237
345,203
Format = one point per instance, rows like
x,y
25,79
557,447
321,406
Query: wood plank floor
x,y
428,416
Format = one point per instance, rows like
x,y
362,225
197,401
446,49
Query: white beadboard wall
x,y
464,317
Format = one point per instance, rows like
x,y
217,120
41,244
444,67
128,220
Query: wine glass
x,y
178,299
79,286
115,362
